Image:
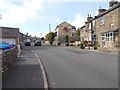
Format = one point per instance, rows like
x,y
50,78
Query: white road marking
x,y
43,72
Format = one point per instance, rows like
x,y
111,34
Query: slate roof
x,y
63,23
107,11
10,32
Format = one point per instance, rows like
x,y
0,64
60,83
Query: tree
x,y
42,38
78,32
50,37
66,38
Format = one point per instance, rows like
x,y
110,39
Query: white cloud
x,y
38,34
57,19
78,21
19,11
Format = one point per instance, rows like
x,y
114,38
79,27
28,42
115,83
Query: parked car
x,y
27,44
4,45
37,43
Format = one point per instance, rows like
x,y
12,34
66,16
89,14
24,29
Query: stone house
x,y
83,34
64,29
107,26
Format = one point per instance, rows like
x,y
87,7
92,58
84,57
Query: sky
x,y
34,16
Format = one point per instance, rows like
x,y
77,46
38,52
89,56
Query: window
x,y
82,38
108,36
111,36
102,20
103,37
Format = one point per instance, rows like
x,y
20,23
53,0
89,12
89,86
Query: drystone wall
x,y
7,59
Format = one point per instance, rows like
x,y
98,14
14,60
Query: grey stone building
x,y
107,26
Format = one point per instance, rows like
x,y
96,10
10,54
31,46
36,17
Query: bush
x,y
78,44
82,46
71,44
95,47
51,42
59,44
67,44
66,38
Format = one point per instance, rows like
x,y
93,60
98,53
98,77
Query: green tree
x,y
50,37
78,32
42,38
66,38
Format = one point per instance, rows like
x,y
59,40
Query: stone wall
x,y
8,58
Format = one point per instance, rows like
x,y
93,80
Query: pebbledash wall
x,y
8,57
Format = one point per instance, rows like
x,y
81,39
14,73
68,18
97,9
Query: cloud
x,y
78,21
19,11
57,19
38,34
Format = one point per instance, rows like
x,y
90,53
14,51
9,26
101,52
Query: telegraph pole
x,y
41,35
0,16
49,28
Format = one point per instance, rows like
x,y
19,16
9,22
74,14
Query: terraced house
x,y
104,29
107,26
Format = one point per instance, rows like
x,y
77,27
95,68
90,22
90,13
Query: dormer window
x,y
102,21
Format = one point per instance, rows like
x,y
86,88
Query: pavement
x,y
26,72
101,51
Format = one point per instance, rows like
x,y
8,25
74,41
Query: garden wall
x,y
8,58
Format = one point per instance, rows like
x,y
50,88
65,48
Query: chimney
x,y
112,3
27,34
89,18
101,10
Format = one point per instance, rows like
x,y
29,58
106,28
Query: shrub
x,y
95,47
59,44
66,38
82,46
78,44
67,44
71,44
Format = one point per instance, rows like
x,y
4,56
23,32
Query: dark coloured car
x,y
27,44
37,43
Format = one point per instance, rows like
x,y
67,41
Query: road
x,y
75,68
